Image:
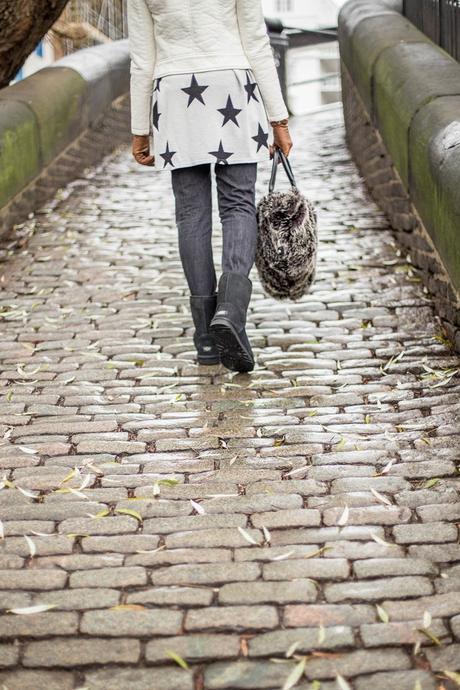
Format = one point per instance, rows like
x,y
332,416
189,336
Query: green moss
x,y
19,149
434,178
371,38
57,98
407,77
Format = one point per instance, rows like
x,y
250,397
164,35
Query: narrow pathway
x,y
162,513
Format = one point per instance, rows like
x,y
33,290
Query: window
x,y
284,5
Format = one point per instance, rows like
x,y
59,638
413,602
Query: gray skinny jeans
x,y
237,210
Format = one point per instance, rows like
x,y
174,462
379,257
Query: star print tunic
x,y
208,117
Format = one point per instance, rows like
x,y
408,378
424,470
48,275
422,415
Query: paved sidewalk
x,y
172,513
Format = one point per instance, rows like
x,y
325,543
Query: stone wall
x,y
57,122
401,96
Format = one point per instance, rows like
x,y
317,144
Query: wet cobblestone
x,y
159,508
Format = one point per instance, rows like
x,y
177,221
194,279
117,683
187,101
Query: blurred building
x,y
313,72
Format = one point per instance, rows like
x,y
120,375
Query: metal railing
x,y
439,20
283,38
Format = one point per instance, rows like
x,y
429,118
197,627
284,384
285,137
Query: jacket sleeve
x,y
142,51
256,44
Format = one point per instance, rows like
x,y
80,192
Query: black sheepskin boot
x,y
229,322
203,308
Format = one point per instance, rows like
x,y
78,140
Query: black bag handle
x,y
279,156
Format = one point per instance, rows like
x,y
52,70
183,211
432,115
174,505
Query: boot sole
x,y
233,354
208,361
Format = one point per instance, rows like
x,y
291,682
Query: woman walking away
x,y
204,84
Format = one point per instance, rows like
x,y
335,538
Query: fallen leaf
x,y
379,540
431,482
430,636
453,676
318,552
382,499
382,614
292,648
29,610
321,634
130,512
387,467
295,675
160,548
128,607
178,659
427,619
29,494
343,519
282,556
247,536
102,513
31,545
70,476
342,683
196,506
30,451
340,443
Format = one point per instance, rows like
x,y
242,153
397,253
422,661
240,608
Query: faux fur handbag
x,y
287,238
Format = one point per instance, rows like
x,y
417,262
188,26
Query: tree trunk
x,y
23,23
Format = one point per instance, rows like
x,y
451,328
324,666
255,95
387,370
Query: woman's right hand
x,y
141,149
281,137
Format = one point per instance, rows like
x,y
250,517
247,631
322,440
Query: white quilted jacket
x,y
183,36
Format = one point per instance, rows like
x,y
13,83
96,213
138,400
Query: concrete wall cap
x,y
94,61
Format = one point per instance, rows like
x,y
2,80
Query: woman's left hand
x,y
141,149
281,138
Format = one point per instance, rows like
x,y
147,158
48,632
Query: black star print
x,y
221,155
261,138
229,112
167,155
155,115
250,88
157,84
194,91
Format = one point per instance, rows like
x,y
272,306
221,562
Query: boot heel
x,y
203,309
232,351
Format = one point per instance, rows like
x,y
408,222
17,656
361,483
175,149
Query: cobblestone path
x,y
172,513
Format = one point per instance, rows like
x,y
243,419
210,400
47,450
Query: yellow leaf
x,y
178,659
102,513
382,614
128,607
70,476
453,676
128,511
431,636
321,634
